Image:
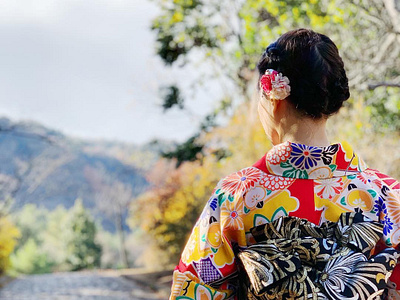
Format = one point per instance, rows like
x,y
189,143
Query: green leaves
x,y
172,97
373,193
333,167
293,172
221,199
60,240
168,49
180,28
231,36
285,165
187,151
83,250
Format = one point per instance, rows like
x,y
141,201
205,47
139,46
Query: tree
x,y
230,36
53,239
58,240
30,259
169,209
83,249
113,198
9,235
31,222
31,256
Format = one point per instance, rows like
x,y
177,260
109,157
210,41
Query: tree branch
x,y
393,13
373,86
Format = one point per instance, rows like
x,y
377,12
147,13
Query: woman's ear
x,y
280,108
276,106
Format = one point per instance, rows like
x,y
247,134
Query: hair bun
x,y
311,61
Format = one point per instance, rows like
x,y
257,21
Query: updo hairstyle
x,y
311,61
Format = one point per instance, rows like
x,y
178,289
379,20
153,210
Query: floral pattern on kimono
x,y
314,183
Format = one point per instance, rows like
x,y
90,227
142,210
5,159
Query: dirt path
x,y
77,285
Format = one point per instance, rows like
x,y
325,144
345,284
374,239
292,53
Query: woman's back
x,y
313,183
302,82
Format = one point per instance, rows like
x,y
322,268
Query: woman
x,y
323,192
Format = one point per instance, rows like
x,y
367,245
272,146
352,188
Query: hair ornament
x,y
275,85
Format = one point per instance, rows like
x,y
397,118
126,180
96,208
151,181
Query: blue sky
x,y
88,68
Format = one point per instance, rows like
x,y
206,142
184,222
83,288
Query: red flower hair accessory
x,y
275,85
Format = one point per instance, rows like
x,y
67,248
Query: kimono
x,y
318,184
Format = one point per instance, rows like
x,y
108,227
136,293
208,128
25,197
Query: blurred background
x,y
117,118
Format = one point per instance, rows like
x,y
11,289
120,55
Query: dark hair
x,y
311,61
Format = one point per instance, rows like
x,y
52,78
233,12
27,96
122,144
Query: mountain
x,y
45,167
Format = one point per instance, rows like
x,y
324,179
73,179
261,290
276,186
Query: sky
x,y
88,68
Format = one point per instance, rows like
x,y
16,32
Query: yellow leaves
x,y
248,27
274,10
177,17
265,20
245,138
316,21
296,12
359,124
8,239
185,3
169,210
180,38
282,18
178,206
338,19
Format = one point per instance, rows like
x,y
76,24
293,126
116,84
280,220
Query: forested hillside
x,y
44,167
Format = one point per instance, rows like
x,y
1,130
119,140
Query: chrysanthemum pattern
x,y
279,153
241,181
393,206
231,215
328,188
273,183
305,157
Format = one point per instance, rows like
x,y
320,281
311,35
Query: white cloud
x,y
88,68
26,11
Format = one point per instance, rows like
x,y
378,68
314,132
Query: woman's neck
x,y
305,131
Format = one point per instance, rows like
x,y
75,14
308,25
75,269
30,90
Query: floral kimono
x,y
318,184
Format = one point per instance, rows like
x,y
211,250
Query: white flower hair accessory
x,y
275,85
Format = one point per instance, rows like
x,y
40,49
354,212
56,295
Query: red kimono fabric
x,y
313,183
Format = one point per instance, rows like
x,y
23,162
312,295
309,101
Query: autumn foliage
x,y
8,240
228,38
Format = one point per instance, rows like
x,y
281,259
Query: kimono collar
x,y
310,162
